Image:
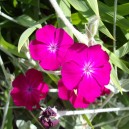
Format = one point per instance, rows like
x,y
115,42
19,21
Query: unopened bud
x,y
93,26
48,117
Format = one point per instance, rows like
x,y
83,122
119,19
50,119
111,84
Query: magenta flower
x,y
77,100
50,47
29,89
86,69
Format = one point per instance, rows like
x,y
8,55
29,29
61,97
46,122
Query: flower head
x,y
77,100
29,89
48,117
86,69
50,47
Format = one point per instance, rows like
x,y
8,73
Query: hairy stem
x,y
114,25
91,111
82,38
114,30
53,90
7,17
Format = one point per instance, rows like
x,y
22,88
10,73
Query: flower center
x,y
52,47
29,89
88,69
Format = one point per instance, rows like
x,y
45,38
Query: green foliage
x,y
9,48
79,5
25,36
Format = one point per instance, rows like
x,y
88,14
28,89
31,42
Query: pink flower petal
x,y
102,74
23,83
50,62
63,92
97,55
37,49
77,52
17,96
71,74
89,89
34,77
78,101
32,101
46,34
43,88
62,38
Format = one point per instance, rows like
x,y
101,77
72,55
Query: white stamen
x,y
52,47
88,69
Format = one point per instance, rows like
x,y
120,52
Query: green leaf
x,y
76,18
94,5
116,61
26,20
104,30
21,124
9,119
25,35
9,47
79,5
124,123
123,9
68,122
107,127
45,18
15,3
123,50
107,14
125,85
65,6
115,80
54,78
88,121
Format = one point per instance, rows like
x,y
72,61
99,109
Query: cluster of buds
x,y
48,117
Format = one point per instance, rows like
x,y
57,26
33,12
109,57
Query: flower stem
x,y
53,90
82,38
58,72
12,107
52,72
91,111
5,111
7,17
114,30
114,25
